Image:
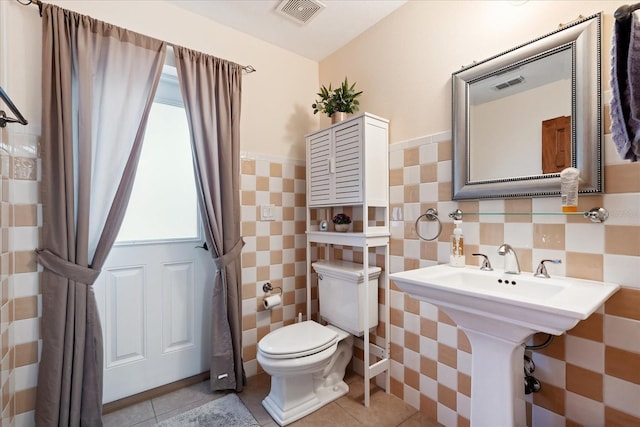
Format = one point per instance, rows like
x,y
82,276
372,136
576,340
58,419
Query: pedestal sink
x,y
499,312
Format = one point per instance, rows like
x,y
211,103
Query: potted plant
x,y
341,222
337,102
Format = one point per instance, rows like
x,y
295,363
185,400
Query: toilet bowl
x,y
306,362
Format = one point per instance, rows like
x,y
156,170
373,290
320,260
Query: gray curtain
x,y
211,89
98,83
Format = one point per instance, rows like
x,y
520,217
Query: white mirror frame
x,y
584,37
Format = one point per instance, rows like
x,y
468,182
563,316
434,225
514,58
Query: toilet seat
x,y
297,340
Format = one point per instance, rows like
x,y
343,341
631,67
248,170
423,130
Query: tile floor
x,y
385,409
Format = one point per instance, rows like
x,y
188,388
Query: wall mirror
x,y
522,116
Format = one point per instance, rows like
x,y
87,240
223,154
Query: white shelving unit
x,y
348,166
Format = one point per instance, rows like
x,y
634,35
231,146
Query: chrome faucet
x,y
511,264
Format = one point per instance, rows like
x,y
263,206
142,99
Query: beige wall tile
x,y
411,305
26,307
584,266
622,178
24,262
463,342
25,215
248,228
412,341
248,166
429,367
428,328
548,236
591,328
397,388
411,193
396,177
584,382
411,378
275,170
445,149
491,234
444,191
550,397
464,384
624,303
448,355
25,400
447,397
411,156
249,322
517,205
615,418
248,198
622,240
249,259
622,364
262,183
275,199
556,349
429,172
396,317
429,407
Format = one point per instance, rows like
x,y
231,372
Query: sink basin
x,y
499,312
552,305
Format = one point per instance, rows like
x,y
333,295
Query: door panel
x,y
153,301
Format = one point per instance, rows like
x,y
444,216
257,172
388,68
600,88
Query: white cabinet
x,y
348,169
347,163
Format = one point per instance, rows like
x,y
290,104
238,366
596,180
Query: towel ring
x,y
432,215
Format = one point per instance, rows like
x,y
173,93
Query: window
x,y
164,204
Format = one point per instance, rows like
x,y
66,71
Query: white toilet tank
x,y
342,291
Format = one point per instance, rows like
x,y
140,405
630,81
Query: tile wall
x,y
19,308
591,375
275,251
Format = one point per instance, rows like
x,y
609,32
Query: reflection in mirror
x,y
508,112
522,116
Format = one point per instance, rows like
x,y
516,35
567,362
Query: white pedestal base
x,y
497,387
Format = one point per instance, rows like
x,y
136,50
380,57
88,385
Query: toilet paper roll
x,y
272,302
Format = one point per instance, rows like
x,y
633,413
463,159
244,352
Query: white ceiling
x,y
334,26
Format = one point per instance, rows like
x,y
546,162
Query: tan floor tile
x,y
384,410
420,420
130,415
331,414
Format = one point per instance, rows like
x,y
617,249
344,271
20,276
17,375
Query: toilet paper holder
x,y
267,287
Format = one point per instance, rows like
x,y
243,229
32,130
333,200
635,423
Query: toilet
x,y
306,360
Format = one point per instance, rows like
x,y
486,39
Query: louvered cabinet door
x,y
319,161
348,155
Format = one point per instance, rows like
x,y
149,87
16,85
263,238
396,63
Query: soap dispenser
x,y
456,258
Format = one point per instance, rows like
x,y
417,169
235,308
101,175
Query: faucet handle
x,y
486,264
541,271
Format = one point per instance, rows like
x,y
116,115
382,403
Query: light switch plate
x,y
267,213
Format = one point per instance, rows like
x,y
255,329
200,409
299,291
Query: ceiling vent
x,y
300,11
512,82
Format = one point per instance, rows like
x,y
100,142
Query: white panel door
x,y
154,304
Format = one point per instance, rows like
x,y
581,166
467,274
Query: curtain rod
x,y
624,12
246,68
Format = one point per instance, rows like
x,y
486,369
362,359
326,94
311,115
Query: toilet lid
x,y
297,340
